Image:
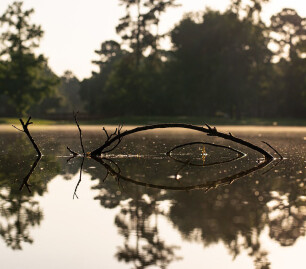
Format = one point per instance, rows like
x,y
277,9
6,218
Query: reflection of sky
x,y
81,234
75,28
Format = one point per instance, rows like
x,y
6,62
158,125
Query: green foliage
x,y
64,100
139,27
289,31
226,59
92,90
26,78
219,65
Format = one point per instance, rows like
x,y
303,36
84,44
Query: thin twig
x,y
116,133
80,131
26,178
72,151
239,153
281,157
107,136
80,179
17,128
180,169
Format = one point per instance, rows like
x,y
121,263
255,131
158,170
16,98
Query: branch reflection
x,y
238,215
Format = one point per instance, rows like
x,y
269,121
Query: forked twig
x,y
27,132
115,133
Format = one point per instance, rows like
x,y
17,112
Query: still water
x,y
203,207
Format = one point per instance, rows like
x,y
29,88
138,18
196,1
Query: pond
x,y
200,206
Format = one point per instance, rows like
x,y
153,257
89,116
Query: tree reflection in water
x,y
235,214
19,211
137,222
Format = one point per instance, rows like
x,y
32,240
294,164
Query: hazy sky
x,y
75,28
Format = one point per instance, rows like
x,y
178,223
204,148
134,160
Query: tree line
x,y
227,64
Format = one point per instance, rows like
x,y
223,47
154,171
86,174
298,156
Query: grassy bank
x,y
152,120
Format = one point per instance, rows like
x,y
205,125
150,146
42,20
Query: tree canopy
x,y
26,78
220,64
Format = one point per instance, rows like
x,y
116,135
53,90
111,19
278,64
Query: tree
x,y
92,90
137,26
250,11
69,89
26,78
289,34
222,61
289,29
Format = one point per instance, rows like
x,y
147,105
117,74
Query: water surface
x,y
139,208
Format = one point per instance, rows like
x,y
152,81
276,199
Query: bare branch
x,y
107,136
80,179
116,133
180,169
72,151
26,178
204,186
209,131
281,157
18,128
80,131
26,130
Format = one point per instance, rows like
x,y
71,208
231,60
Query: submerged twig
x,y
176,177
239,153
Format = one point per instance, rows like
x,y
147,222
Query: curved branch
x,y
204,186
209,131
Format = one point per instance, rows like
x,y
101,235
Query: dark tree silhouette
x,y
26,78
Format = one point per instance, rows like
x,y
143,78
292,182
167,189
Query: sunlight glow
x,y
74,28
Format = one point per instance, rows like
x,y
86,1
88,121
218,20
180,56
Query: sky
x,y
75,28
